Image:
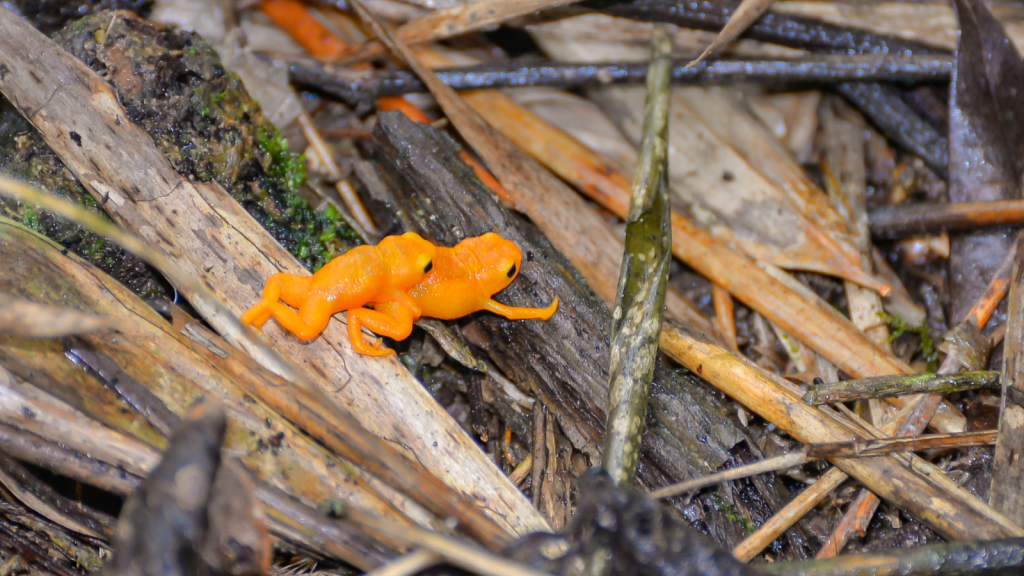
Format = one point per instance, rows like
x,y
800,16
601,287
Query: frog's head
x,y
409,258
493,261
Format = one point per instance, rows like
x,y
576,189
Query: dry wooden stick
x,y
775,526
806,500
217,243
775,464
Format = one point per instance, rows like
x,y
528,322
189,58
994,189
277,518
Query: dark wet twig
x,y
640,299
944,559
360,87
905,220
900,385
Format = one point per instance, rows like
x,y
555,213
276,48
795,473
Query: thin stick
x,y
725,317
876,447
775,464
906,220
900,385
348,194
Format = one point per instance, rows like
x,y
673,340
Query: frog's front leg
x,y
514,313
396,324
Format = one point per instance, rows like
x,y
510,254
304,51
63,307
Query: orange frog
x,y
462,282
373,275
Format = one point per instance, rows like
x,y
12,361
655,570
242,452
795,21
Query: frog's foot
x,y
258,315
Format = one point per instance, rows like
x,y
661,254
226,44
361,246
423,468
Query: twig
x,y
355,88
783,462
900,385
745,14
906,220
789,515
637,319
876,447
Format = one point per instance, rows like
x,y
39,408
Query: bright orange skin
x,y
462,282
364,275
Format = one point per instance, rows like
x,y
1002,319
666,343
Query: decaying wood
x,y
637,317
888,445
154,200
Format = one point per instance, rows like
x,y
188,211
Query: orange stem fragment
x,y
294,17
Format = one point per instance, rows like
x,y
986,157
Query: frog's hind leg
x,y
287,287
308,322
397,325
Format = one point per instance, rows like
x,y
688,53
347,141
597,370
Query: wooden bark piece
x,y
1007,491
215,241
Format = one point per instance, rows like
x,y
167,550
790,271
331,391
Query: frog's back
x,y
352,279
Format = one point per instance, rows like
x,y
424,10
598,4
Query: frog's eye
x,y
428,267
512,271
